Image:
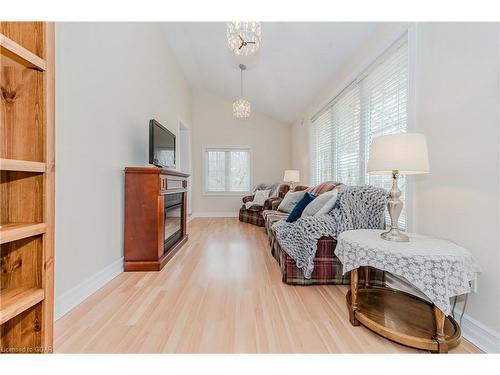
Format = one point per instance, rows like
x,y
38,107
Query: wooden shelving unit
x,y
26,187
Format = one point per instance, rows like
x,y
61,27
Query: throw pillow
x,y
328,206
259,198
290,200
319,202
299,207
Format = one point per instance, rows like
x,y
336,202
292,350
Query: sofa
x,y
327,267
253,215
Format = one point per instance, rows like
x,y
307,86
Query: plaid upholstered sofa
x,y
253,215
327,267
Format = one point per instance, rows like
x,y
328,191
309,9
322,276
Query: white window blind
x,y
227,170
346,133
385,103
322,147
375,104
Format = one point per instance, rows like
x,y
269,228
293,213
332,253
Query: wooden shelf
x,y
27,172
15,301
21,165
15,52
15,231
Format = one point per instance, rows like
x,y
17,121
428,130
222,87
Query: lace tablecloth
x,y
438,268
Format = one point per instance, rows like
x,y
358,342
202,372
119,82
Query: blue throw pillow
x,y
299,207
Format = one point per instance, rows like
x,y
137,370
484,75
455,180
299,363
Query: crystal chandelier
x,y
241,107
243,37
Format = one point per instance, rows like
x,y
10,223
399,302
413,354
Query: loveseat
x,y
327,267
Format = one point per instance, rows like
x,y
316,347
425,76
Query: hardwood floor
x,y
221,293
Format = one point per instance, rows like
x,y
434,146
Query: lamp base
x,y
394,206
394,234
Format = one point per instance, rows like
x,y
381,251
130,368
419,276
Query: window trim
x,y
206,148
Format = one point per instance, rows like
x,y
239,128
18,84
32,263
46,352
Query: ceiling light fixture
x,y
241,107
243,37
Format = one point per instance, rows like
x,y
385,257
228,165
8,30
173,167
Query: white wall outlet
x,y
473,285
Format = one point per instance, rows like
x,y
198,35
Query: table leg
x,y
367,276
354,298
440,337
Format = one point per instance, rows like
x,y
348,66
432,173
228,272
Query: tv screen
x,y
161,146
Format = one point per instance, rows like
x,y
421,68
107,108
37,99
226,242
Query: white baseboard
x,y
215,214
478,334
73,297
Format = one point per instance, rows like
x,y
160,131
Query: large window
x,y
227,170
375,104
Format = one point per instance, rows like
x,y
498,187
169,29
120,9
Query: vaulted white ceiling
x,y
296,60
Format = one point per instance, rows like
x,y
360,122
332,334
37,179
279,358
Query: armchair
x,y
253,215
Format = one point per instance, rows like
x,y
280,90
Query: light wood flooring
x,y
221,293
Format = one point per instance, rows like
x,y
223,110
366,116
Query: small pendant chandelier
x,y
241,107
243,37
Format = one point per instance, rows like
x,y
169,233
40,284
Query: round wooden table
x,y
440,269
401,317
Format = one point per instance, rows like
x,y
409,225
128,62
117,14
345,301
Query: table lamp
x,y
291,176
396,155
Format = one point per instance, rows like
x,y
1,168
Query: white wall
x,y
457,107
214,124
111,78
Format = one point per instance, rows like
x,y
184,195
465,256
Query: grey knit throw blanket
x,y
357,207
273,187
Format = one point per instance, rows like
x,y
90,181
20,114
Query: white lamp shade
x,y
405,153
291,176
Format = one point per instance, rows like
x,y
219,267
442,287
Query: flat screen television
x,y
161,146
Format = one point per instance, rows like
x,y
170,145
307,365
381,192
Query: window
x,y
375,104
227,170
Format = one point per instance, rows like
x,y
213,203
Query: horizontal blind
x,y
227,170
346,126
384,100
374,105
322,147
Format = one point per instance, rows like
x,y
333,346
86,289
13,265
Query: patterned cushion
x,y
252,216
272,216
300,188
323,187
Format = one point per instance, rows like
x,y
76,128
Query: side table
x,y
438,268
